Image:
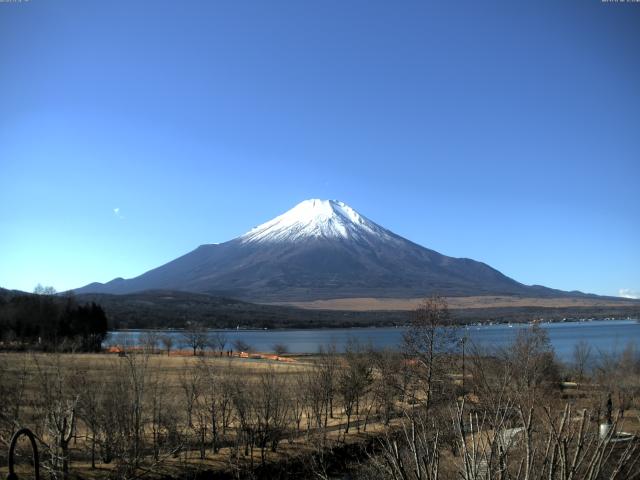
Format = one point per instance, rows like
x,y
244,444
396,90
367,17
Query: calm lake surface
x,y
602,335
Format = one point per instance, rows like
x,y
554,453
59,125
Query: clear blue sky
x,y
507,132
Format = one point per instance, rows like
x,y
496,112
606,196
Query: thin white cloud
x,y
116,212
628,293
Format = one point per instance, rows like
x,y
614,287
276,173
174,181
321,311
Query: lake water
x,y
602,335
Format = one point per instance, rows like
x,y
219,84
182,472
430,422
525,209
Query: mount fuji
x,y
321,249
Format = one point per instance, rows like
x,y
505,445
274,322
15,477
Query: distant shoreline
x,y
362,327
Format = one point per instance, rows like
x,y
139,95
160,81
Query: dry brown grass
x,y
395,304
170,370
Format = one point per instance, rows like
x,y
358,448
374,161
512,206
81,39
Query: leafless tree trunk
x,y
354,382
191,385
271,411
387,382
430,338
219,341
167,342
298,400
88,392
195,335
149,341
581,357
58,406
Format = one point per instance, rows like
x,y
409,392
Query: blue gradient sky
x,y
508,132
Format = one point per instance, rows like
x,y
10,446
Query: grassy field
x,y
175,395
173,373
400,304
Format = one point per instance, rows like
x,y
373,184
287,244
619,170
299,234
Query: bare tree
x,y
532,360
619,372
195,335
297,399
316,401
549,444
629,373
411,454
149,341
242,400
354,381
158,408
491,381
40,290
219,341
167,343
241,346
431,336
190,383
320,389
280,349
88,391
582,353
214,399
125,412
58,407
387,382
271,411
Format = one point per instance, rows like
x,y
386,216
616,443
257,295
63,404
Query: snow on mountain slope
x,y
316,218
321,249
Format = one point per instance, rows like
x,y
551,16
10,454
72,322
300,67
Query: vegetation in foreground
x,y
415,414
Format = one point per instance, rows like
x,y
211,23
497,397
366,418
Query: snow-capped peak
x,y
315,218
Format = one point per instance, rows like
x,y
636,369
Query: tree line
x,y
46,321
